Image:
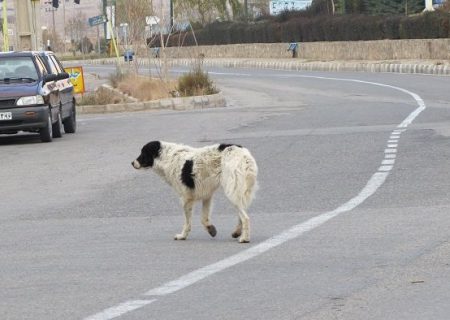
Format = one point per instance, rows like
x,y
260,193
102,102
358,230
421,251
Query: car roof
x,y
26,53
18,54
45,53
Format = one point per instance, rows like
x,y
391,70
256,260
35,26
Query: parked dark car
x,y
34,97
65,87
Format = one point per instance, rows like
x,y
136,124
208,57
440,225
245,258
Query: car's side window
x,y
41,66
52,66
57,64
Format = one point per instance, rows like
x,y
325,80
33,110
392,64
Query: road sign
x,y
94,21
76,77
151,20
278,6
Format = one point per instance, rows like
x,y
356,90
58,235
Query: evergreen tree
x,y
354,6
372,7
376,7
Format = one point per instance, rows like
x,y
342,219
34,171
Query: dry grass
x,y
98,98
195,83
145,89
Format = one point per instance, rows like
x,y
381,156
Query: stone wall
x,y
423,49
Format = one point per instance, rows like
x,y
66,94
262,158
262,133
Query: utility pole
x,y
64,25
54,28
171,15
246,10
5,27
105,25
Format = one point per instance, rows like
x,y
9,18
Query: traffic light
x,y
55,3
76,1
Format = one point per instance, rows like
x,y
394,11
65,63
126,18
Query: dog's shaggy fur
x,y
196,173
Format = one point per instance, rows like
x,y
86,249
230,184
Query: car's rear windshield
x,y
17,68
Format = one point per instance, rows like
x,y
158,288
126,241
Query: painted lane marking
x,y
189,279
389,161
120,309
385,168
374,183
392,145
393,141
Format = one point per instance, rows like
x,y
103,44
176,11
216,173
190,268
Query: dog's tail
x,y
238,177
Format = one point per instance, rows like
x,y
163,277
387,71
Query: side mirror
x,y
63,76
50,77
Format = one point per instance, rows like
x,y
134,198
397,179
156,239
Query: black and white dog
x,y
196,173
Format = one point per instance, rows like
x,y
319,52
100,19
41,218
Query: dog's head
x,y
148,154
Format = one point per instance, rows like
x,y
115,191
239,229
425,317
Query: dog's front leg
x,y
206,213
187,206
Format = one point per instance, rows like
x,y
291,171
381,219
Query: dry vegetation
x,y
193,83
145,88
99,97
139,87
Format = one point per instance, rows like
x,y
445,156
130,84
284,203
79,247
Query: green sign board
x,y
94,21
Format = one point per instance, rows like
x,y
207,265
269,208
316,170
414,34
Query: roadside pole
x,y
5,27
114,41
98,39
54,28
429,5
64,25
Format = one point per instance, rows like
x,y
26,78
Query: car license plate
x,y
5,116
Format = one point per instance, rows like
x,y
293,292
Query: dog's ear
x,y
223,146
148,153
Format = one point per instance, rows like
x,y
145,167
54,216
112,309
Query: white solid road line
x,y
120,309
170,287
374,183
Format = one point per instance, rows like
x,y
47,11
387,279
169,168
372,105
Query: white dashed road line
x,y
375,182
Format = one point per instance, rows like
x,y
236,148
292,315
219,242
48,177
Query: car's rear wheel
x,y
46,133
70,123
57,127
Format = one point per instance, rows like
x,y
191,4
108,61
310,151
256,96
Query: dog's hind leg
x,y
187,206
238,231
206,214
245,221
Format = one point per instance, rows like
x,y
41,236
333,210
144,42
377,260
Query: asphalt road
x,y
351,220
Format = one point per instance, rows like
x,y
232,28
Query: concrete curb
x,y
189,103
331,66
435,68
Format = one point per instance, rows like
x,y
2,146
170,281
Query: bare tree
x,y
206,11
134,13
261,6
76,28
